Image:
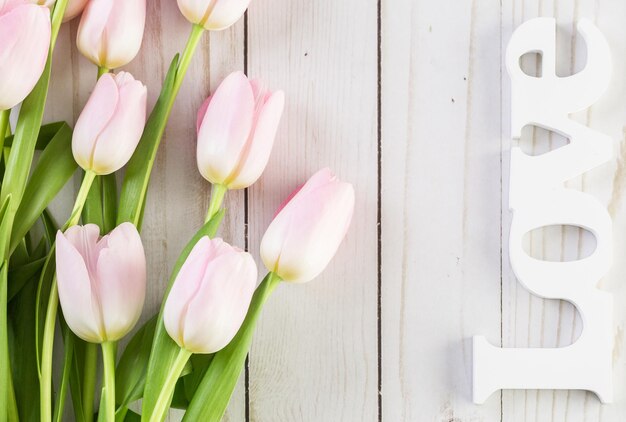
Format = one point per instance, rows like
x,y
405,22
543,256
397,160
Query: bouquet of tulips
x,y
82,284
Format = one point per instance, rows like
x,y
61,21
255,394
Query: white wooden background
x,y
409,100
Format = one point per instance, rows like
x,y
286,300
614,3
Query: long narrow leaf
x,y
130,376
135,185
23,352
54,169
46,133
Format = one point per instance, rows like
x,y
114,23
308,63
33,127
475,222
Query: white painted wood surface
x,y
408,100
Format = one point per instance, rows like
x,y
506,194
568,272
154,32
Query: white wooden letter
x,y
538,198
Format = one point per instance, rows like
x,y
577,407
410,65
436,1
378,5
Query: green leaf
x,y
130,376
21,275
109,202
23,352
68,356
101,205
164,349
46,133
200,364
22,151
213,394
135,185
54,169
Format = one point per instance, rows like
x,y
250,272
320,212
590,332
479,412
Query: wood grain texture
x,y
314,357
409,100
440,204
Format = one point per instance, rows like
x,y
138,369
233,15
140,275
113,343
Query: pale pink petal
x,y
121,281
119,139
94,118
220,306
256,156
185,286
194,10
225,128
93,22
225,13
73,9
25,40
124,32
201,113
85,240
306,234
75,293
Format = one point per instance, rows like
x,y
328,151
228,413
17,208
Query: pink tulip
x,y
236,131
102,281
24,43
111,31
309,228
213,15
110,126
210,296
73,9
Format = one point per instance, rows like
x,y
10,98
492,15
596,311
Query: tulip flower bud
x,y
110,126
213,15
210,296
24,43
236,130
110,31
309,228
73,9
102,281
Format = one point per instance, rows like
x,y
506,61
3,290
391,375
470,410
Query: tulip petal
x,y
124,32
75,295
185,286
306,234
225,128
85,241
73,9
225,13
218,309
117,142
94,118
201,113
121,281
193,10
25,34
90,40
257,154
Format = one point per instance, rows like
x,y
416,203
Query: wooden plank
x,y
440,204
529,321
314,357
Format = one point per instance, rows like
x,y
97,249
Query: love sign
x,y
538,198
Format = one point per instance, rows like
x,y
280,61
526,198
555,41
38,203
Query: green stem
x,y
57,20
80,199
46,354
107,405
217,198
51,311
102,71
89,379
4,124
167,392
185,59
